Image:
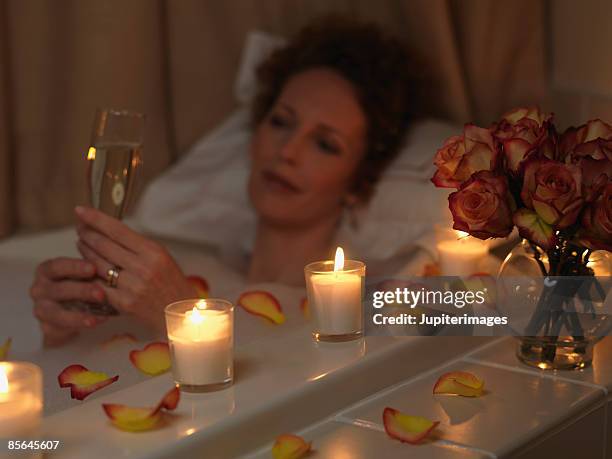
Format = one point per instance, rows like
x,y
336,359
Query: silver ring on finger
x,y
112,276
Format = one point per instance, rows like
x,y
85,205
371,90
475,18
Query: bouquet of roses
x,y
556,188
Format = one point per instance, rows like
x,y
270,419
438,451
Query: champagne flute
x,y
114,157
113,161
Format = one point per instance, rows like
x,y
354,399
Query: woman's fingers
x,y
50,312
113,229
62,280
68,290
126,279
61,268
108,249
121,299
102,265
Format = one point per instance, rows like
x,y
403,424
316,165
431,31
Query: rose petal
x,y
289,446
546,212
118,338
305,308
431,270
459,383
5,348
201,286
139,419
83,382
262,304
596,129
406,428
170,400
516,114
516,151
533,228
153,360
533,113
441,181
131,419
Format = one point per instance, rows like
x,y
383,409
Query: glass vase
x,y
557,319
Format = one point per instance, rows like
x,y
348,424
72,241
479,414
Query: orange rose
x,y
483,206
597,222
461,156
553,190
590,147
525,132
593,139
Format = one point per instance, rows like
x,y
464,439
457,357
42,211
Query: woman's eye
x,y
278,121
328,147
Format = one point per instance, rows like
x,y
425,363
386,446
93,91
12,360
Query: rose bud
x,y
593,140
483,206
461,156
525,132
553,190
597,222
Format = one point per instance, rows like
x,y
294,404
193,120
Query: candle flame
x,y
4,385
201,304
91,153
339,260
195,316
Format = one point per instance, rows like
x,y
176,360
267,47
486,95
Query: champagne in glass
x,y
112,167
114,159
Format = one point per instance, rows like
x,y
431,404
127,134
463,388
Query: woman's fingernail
x,y
80,210
90,322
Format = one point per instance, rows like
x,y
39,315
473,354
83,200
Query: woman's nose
x,y
290,149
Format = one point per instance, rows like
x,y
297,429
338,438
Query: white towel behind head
x,y
258,46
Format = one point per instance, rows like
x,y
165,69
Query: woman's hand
x,y
149,278
63,280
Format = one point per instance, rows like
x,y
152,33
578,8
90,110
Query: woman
x,y
330,114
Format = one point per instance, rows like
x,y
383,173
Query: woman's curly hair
x,y
378,66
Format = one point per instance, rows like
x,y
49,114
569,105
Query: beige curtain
x,y
176,59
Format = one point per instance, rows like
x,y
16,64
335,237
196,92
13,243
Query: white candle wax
x,y
202,348
20,411
461,257
337,302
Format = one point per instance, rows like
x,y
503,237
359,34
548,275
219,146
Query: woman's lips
x,y
279,182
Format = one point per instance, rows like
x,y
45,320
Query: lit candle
x,y
460,254
201,339
20,400
335,293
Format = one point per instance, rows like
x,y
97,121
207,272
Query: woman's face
x,y
306,151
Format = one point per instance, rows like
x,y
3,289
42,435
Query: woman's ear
x,y
359,194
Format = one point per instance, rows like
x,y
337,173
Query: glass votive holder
x,y
335,299
201,337
21,400
459,254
